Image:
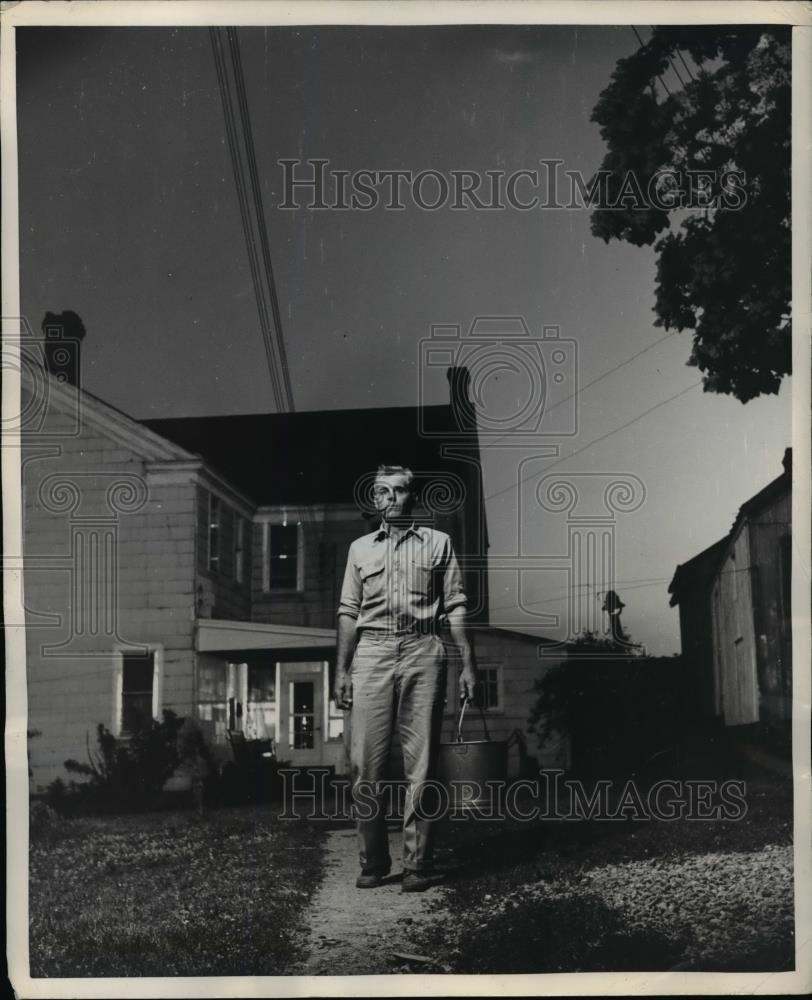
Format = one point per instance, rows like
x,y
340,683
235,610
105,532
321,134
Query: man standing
x,y
390,667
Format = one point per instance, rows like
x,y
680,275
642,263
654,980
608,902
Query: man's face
x,y
393,496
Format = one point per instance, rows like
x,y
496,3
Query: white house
x,y
195,564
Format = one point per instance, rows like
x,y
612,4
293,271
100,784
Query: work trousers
x,y
396,679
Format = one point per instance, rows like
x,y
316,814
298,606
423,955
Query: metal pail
x,y
469,769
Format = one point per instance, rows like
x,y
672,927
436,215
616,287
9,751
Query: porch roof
x,y
219,635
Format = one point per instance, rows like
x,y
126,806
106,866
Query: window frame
x,y
156,650
214,561
498,668
267,588
199,701
238,547
293,715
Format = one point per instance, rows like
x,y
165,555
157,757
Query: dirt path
x,y
358,931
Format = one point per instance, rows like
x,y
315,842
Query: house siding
x,y
734,636
735,617
517,657
769,534
326,542
324,547
144,596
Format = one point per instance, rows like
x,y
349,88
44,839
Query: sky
x,y
129,217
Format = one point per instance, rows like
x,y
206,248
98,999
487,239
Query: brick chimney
x,y
64,333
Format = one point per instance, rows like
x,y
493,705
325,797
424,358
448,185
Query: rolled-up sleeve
x,y
351,589
453,592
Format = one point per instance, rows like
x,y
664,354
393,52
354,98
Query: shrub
x,y
42,820
123,774
622,713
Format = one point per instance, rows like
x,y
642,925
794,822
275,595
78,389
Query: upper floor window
x,y
215,532
282,557
238,561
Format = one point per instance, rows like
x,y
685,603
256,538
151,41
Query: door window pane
x,y
260,720
302,715
211,704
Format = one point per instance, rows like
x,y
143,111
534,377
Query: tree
x,y
712,155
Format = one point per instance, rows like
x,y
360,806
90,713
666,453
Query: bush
x,y
253,781
43,820
126,774
623,714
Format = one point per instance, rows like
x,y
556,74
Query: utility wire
x,y
620,584
249,197
598,378
565,593
685,64
670,59
256,190
597,440
642,46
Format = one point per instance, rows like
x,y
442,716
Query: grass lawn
x,y
172,893
566,896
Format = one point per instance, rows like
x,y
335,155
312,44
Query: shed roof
x,y
699,569
703,565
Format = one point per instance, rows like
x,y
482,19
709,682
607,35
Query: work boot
x,y
370,880
419,881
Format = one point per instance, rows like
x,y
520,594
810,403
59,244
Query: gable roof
x,y
514,633
703,566
313,456
89,411
698,570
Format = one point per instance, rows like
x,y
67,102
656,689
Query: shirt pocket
x,y
421,577
371,571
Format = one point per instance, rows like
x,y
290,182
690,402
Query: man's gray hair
x,y
397,470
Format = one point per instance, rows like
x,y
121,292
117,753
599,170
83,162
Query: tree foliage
x,y
723,256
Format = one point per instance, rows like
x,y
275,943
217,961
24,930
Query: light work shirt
x,y
396,583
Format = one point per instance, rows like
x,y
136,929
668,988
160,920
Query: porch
x,y
269,683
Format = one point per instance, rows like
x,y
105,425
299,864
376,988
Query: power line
x,y
652,582
642,46
685,64
597,440
256,190
670,59
249,197
598,378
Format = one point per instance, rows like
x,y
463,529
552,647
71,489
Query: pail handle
x,y
463,706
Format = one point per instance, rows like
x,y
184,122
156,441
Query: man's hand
x,y
342,689
456,622
468,680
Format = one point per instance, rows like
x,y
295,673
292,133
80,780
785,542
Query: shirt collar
x,y
384,530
